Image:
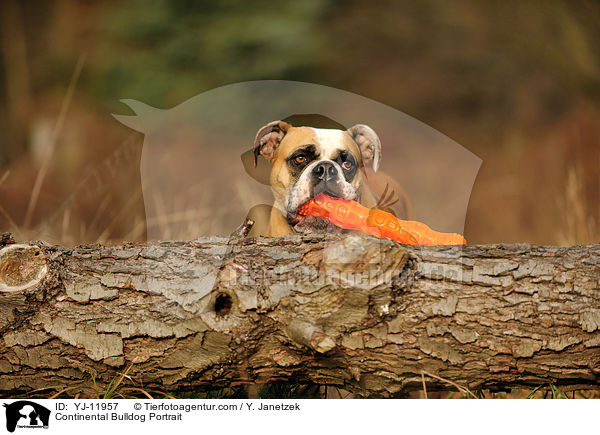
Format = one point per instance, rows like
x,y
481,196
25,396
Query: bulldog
x,y
307,161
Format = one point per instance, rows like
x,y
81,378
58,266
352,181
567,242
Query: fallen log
x,y
370,316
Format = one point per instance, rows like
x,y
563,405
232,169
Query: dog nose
x,y
324,171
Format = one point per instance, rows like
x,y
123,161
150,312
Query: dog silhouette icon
x,y
26,413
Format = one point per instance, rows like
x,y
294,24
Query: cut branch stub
x,y
21,267
306,334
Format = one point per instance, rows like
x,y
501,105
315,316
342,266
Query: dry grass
x,y
580,225
122,386
49,151
544,189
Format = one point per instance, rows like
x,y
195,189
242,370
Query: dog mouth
x,y
302,194
303,223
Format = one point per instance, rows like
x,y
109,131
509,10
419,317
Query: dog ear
x,y
368,142
268,139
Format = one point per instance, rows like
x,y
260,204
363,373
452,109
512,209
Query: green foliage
x,y
479,64
542,391
164,52
456,61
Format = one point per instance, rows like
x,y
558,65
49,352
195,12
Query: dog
x,y
307,161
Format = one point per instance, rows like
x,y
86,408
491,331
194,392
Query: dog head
x,y
308,161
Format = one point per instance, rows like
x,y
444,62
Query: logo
x,y
26,414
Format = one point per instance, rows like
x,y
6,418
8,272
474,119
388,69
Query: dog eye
x,y
300,159
346,165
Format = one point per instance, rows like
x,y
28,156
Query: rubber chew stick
x,y
353,216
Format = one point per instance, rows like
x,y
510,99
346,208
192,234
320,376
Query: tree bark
x,y
371,316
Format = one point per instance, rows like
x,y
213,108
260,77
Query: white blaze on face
x,y
330,141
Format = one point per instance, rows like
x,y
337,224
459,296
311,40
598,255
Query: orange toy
x,y
351,215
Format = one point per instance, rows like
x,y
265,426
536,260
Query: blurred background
x,y
516,83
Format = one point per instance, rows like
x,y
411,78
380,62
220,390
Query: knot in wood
x,y
21,267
